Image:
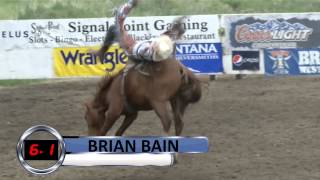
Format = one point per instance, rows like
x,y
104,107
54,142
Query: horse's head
x,y
96,108
94,118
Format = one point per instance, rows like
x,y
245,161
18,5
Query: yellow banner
x,y
79,61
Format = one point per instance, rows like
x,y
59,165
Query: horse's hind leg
x,y
177,116
161,109
126,123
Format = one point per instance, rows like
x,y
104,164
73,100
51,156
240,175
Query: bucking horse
x,y
168,88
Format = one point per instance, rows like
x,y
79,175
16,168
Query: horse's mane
x,y
102,88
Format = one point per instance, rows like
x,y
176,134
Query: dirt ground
x,y
259,128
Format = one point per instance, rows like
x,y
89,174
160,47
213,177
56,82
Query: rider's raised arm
x,y
126,41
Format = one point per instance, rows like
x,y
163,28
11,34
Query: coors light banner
x,y
272,31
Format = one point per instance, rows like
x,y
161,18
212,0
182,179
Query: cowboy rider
x,y
153,50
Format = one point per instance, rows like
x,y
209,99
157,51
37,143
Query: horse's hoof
x,y
175,158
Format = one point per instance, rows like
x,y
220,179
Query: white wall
x,y
26,64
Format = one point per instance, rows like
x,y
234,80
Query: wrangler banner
x,y
82,62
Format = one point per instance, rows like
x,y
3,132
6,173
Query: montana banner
x,y
75,61
304,61
201,57
272,31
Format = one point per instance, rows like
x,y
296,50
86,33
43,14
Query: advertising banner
x,y
258,31
82,62
74,61
70,41
304,61
46,33
201,57
246,60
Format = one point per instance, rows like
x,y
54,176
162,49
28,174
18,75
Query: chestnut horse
x,y
169,84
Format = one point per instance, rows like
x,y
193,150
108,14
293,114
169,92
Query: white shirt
x,y
143,50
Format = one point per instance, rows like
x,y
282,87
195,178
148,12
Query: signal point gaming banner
x,y
200,47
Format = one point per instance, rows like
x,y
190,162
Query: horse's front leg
x,y
126,123
163,112
113,113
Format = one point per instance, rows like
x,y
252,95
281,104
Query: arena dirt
x,y
259,129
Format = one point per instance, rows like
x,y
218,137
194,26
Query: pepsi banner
x,y
203,58
272,31
304,61
245,60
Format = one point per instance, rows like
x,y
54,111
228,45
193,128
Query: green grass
x,y
8,83
44,9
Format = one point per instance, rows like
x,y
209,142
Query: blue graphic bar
x,y
114,144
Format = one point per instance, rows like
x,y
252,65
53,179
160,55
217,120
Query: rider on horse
x,y
153,50
126,95
157,49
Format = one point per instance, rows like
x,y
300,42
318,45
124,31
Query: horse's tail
x,y
189,92
111,37
191,86
195,87
177,29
